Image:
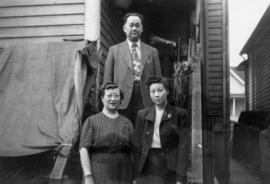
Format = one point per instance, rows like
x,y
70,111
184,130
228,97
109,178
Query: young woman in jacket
x,y
161,139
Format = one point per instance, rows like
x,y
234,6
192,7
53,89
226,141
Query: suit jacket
x,y
174,136
118,69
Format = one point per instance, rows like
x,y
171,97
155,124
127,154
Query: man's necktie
x,y
136,62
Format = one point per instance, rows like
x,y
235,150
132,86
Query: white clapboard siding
x,y
7,3
41,31
41,21
22,11
37,21
11,41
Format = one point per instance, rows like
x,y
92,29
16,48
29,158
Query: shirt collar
x,y
130,44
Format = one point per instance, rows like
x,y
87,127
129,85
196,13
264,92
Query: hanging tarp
x,y
41,92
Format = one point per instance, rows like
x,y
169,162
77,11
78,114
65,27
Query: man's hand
x,y
178,182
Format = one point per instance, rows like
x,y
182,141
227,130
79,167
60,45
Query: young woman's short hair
x,y
155,79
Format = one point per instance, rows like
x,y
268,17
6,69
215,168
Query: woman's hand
x,y
88,179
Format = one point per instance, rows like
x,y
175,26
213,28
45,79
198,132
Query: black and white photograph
x,y
134,92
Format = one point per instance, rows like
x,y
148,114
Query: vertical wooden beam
x,y
226,89
196,119
92,20
60,164
233,107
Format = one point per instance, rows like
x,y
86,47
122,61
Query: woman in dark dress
x,y
105,144
161,139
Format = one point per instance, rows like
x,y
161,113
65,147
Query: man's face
x,y
133,28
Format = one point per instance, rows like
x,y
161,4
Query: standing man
x,y
130,64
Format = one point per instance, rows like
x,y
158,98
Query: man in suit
x,y
130,64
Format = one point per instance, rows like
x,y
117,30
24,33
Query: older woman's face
x,y
111,99
158,93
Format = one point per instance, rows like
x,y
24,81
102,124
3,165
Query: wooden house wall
x,y
261,77
111,31
247,86
40,20
215,74
216,59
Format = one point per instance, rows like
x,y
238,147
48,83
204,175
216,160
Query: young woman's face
x,y
158,93
111,99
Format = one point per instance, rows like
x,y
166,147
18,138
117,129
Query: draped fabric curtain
x,y
41,95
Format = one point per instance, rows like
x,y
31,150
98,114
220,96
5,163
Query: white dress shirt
x,y
156,136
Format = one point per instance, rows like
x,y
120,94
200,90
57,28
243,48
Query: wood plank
x,y
215,50
215,75
216,100
41,31
42,10
115,19
37,2
214,81
196,120
105,42
215,62
60,164
214,1
12,41
42,21
216,56
215,43
215,31
216,19
106,24
110,35
109,23
215,25
215,6
216,93
215,68
214,13
215,37
103,48
215,88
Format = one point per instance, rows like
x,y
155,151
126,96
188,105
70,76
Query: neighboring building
x,y
257,66
237,93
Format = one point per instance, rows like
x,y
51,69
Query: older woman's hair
x,y
155,79
110,85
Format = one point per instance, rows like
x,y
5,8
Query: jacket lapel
x,y
125,52
144,53
151,114
167,113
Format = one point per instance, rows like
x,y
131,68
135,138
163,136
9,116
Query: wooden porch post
x,y
196,119
92,20
233,107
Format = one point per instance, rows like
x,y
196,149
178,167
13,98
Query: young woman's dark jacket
x,y
174,135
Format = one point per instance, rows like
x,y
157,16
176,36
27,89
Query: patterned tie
x,y
136,63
